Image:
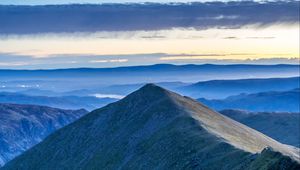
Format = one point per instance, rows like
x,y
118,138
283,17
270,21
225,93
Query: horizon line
x,y
149,65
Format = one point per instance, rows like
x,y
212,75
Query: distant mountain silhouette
x,y
153,128
218,89
23,126
273,101
65,78
283,127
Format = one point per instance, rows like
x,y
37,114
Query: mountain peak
x,y
149,92
225,128
152,87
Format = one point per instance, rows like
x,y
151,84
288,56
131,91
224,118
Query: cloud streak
x,y
109,61
147,16
74,61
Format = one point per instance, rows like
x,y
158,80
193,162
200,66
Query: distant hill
x,y
153,128
63,102
273,101
283,127
23,126
151,73
39,92
217,89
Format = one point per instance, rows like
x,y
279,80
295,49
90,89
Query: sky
x,y
68,36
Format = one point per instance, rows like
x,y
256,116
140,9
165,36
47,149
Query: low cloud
x,y
260,37
231,38
171,57
147,16
109,61
201,60
114,96
14,64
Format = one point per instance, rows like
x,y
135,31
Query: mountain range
x,y
23,126
247,94
219,89
153,128
96,77
272,101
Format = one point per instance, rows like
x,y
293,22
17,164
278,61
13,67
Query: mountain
x,y
273,101
88,78
63,102
153,128
217,89
23,126
283,127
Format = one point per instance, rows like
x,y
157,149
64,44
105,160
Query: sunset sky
x,y
141,34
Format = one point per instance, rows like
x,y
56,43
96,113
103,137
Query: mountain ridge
x,y
153,128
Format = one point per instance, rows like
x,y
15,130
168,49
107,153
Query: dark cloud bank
x,y
148,16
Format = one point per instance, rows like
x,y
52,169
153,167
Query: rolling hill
x,y
153,128
23,126
272,101
219,89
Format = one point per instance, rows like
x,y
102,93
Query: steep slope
x,y
219,89
153,128
283,127
272,101
22,126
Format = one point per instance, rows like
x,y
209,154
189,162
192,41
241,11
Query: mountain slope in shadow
x,y
23,126
153,128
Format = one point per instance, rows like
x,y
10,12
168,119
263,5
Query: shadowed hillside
x,y
23,126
